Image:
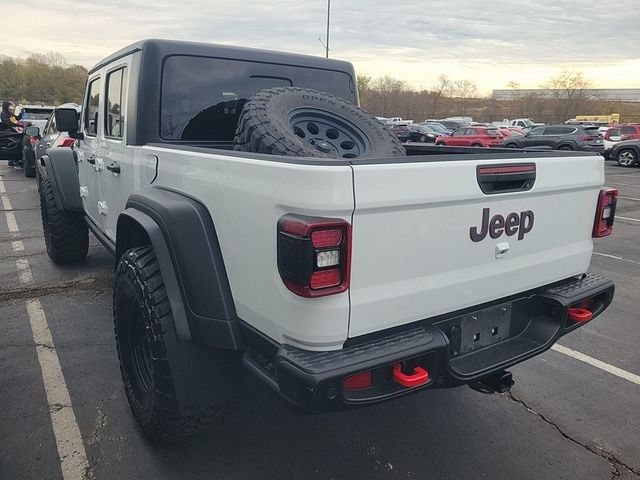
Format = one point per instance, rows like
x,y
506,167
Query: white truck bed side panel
x,y
246,198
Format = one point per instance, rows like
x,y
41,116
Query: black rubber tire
x,y
565,147
476,145
264,125
28,162
140,302
65,233
511,145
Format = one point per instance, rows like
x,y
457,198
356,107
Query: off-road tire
x,y
65,233
264,125
142,322
28,162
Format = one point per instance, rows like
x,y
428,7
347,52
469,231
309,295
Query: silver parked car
x,y
44,139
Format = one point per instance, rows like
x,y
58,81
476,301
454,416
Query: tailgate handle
x,y
506,178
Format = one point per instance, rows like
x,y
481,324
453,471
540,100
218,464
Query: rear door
x,y
552,135
118,177
422,247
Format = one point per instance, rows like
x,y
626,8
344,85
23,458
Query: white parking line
x,y
630,198
627,218
632,377
615,257
73,458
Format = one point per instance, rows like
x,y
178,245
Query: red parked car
x,y
473,137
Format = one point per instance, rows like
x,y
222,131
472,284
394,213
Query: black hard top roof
x,y
164,48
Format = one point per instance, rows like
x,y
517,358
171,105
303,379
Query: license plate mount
x,y
482,328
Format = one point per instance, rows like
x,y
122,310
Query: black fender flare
x,y
62,171
185,242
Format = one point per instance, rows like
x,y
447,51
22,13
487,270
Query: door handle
x,y
91,160
114,167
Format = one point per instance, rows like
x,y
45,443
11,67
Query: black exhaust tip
x,y
498,382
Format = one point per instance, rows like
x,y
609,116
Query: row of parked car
x,y
34,137
619,142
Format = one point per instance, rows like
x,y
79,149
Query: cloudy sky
x,y
491,43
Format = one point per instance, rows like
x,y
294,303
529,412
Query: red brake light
x,y
325,278
68,142
326,238
605,212
314,255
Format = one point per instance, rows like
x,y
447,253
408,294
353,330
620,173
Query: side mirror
x,y
67,120
32,131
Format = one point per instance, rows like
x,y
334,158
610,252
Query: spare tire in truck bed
x,y
306,123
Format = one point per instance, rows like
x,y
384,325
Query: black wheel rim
x,y
328,133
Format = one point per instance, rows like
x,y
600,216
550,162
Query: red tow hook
x,y
580,314
419,377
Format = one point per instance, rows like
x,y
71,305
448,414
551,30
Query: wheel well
x,y
130,235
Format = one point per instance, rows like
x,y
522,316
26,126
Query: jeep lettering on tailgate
x,y
513,223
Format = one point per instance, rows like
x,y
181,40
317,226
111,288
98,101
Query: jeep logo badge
x,y
498,225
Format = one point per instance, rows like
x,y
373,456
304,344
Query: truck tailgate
x,y
413,256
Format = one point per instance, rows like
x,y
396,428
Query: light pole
x,y
326,45
328,16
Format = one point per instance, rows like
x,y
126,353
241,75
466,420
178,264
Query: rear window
x,y
493,132
613,132
593,131
202,97
36,113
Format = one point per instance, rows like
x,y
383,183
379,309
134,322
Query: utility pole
x,y
328,16
326,45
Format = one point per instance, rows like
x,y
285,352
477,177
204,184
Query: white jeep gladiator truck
x,y
259,218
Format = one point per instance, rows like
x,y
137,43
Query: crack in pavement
x,y
26,209
99,283
616,463
22,235
23,253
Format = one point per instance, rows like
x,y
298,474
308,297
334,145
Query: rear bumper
x,y
442,347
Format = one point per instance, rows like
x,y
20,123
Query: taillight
x,y
605,213
314,255
68,142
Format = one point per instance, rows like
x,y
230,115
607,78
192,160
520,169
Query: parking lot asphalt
x,y
566,417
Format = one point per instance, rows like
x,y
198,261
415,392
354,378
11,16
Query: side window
x,y
458,133
471,131
627,130
536,131
555,130
91,108
116,103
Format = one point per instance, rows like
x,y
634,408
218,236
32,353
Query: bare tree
x,y
388,94
441,89
570,92
464,90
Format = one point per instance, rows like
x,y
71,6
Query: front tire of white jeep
x,y
143,321
65,233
